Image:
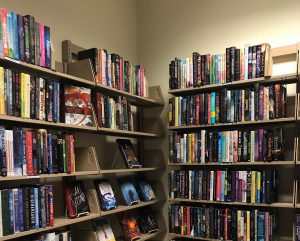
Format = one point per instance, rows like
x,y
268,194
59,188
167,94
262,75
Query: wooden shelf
x,y
174,235
44,72
116,132
58,223
127,170
274,163
283,79
43,176
134,99
272,205
122,208
287,120
150,236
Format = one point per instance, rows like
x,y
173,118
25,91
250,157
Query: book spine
x,y
47,45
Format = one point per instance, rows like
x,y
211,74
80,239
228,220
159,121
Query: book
x,y
129,192
77,106
103,230
76,199
146,190
129,226
105,194
127,152
146,221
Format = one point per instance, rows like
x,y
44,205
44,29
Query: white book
x,y
50,237
227,146
103,60
246,53
109,69
252,106
191,72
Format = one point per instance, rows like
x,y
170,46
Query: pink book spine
x,y
42,45
121,73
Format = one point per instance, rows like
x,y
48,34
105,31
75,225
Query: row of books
x,y
52,236
228,106
76,197
26,208
223,223
236,64
133,224
28,96
35,152
260,145
23,38
224,186
114,71
114,113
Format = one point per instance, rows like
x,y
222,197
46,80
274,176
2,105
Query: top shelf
x,y
71,79
283,79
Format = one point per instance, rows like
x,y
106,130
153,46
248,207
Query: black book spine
x,y
203,69
258,61
232,63
195,68
32,209
248,187
32,39
228,66
237,75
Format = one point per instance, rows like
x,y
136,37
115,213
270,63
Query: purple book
x,y
297,229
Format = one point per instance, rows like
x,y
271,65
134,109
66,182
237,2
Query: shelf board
x,y
44,124
45,72
127,170
273,163
58,223
174,235
134,99
272,205
43,176
287,120
150,236
117,132
122,208
283,79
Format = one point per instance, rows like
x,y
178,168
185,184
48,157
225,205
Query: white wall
x,y
105,24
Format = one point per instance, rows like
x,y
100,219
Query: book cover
x,y
146,190
103,230
47,45
127,152
76,199
146,221
129,226
129,192
78,107
106,195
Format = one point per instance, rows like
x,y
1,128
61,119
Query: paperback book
x,y
129,192
105,194
103,229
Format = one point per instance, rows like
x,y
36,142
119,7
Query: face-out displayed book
x,y
146,221
128,190
105,194
128,154
78,106
129,226
103,230
146,190
76,199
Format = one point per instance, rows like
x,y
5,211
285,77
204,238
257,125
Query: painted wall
x,y
109,24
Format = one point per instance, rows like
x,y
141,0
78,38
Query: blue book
x,y
213,108
50,160
20,209
192,183
222,196
261,226
36,207
11,211
15,37
44,152
9,34
256,189
17,145
47,47
219,146
16,210
223,147
21,37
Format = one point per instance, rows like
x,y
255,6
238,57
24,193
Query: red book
x,y
28,153
50,201
4,31
218,189
226,224
188,221
69,204
72,152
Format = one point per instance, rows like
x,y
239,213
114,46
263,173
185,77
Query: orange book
x,y
4,31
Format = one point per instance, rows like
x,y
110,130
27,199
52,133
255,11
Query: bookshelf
x,y
88,163
288,196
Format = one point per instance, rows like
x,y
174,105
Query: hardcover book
x,y
129,192
76,199
103,229
105,194
127,152
129,226
146,190
146,221
78,107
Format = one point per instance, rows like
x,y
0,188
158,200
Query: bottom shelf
x,y
58,223
150,236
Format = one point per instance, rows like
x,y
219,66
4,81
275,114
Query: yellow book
x,y
27,96
193,148
258,184
176,110
239,226
170,111
182,225
253,189
190,147
248,226
2,92
22,94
